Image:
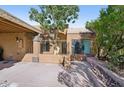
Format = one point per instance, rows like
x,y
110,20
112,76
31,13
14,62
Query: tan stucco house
x,y
15,36
82,36
72,41
21,41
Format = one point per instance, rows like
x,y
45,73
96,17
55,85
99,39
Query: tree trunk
x,y
109,49
98,52
56,34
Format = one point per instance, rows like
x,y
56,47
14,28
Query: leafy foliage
x,y
109,28
54,17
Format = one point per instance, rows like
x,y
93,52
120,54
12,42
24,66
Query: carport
x,y
15,36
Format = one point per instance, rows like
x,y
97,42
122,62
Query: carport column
x,y
36,48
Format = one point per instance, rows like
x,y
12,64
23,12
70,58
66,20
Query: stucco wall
x,y
29,42
13,49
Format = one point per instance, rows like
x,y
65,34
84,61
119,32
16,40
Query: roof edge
x,y
16,20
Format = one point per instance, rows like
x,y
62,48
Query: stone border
x,y
107,74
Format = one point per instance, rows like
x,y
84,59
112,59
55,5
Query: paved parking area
x,y
32,75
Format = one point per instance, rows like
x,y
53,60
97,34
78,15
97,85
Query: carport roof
x,y
5,16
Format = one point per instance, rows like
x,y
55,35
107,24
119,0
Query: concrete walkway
x,y
31,75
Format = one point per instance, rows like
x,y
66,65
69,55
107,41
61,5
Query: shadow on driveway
x,y
6,64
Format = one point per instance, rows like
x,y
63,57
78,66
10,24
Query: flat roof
x,y
78,30
10,17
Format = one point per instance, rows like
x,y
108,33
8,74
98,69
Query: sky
x,y
87,13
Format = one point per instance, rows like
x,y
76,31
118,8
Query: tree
x,y
54,17
109,28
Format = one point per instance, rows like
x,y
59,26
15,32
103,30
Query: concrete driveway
x,y
49,75
32,75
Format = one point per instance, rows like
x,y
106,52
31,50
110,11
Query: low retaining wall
x,y
109,78
43,58
28,57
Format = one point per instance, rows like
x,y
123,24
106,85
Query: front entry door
x,y
86,46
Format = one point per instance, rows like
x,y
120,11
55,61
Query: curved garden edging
x,y
110,78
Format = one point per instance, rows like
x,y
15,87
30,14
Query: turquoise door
x,y
86,46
